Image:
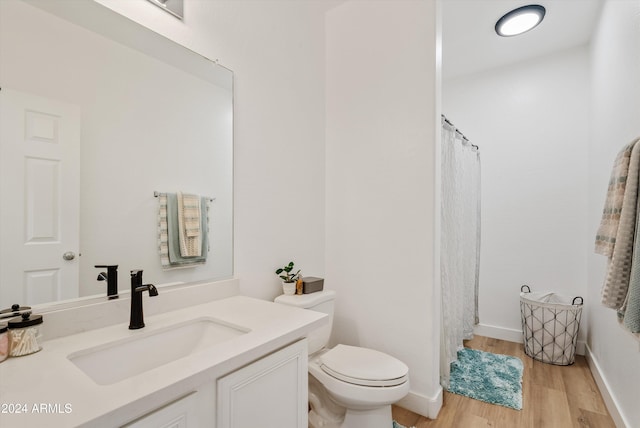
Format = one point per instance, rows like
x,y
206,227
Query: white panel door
x,y
39,199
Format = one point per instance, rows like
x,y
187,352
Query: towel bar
x,y
156,194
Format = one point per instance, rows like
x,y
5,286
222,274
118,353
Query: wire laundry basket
x,y
550,324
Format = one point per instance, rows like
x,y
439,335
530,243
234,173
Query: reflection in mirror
x,y
97,114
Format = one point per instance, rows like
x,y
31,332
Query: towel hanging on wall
x,y
618,238
169,241
189,224
618,225
606,235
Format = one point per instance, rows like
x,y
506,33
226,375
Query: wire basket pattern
x,y
550,325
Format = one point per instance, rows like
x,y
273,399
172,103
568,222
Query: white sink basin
x,y
121,359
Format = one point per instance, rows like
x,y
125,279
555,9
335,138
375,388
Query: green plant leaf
x,y
288,276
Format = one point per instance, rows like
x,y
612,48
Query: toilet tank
x,y
321,301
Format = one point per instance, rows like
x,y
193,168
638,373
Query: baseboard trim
x,y
495,332
421,404
605,391
512,335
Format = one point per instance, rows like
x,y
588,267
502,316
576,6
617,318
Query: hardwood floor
x,y
553,397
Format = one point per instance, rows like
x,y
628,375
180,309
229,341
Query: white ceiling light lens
x,y
520,20
519,24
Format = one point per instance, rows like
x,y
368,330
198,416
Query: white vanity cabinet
x,y
191,411
269,393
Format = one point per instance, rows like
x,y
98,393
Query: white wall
x,y
381,157
613,123
530,121
276,50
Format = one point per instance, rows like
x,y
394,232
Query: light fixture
x,y
520,20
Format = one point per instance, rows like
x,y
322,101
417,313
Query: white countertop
x,y
72,399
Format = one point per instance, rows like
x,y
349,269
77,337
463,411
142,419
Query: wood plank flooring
x,y
553,397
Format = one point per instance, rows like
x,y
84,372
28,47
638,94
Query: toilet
x,y
349,386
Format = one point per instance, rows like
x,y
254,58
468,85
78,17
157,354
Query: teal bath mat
x,y
492,378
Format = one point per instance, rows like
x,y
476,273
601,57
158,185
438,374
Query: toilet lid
x,y
362,366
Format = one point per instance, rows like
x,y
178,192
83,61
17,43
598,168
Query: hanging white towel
x,y
189,225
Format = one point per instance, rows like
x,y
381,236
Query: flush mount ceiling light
x,y
520,20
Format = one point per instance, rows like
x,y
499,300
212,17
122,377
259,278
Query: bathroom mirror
x,y
145,114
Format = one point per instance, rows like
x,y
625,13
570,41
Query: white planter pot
x,y
289,288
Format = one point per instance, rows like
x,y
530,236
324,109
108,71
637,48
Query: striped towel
x,y
606,235
168,234
163,230
616,286
189,225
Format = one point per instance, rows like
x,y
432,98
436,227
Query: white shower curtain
x,y
460,244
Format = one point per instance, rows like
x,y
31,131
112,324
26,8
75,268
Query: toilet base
x,y
375,418
324,412
327,413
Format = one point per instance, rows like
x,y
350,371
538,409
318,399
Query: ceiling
x,y
470,44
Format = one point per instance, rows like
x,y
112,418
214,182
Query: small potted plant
x,y
289,279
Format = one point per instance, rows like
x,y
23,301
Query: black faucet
x,y
137,317
111,276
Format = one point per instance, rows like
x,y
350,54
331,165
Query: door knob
x,y
69,255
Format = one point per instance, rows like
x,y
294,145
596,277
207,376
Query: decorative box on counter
x,y
311,284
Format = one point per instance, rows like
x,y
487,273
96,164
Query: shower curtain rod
x,y
458,131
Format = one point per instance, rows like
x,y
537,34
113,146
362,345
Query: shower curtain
x,y
460,244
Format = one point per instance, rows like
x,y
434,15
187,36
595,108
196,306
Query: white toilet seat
x,y
363,366
351,394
